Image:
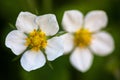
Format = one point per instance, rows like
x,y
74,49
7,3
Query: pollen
x,y
82,38
36,40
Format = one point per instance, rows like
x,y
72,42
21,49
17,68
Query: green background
x,y
103,68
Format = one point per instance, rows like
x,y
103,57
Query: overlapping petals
x,y
54,48
101,44
68,42
26,23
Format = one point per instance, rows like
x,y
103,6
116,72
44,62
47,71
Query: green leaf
x,y
16,58
50,65
12,26
60,33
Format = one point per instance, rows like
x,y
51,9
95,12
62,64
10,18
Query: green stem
x,y
12,26
48,62
117,74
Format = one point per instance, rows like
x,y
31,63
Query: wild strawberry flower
x,y
85,37
31,38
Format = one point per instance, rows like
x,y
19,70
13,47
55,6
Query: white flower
x,y
31,38
84,37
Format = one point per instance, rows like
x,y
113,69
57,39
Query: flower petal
x,y
15,40
96,20
72,20
54,48
48,24
32,60
26,22
68,42
81,59
102,43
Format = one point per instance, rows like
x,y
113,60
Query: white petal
x,y
102,43
15,40
81,59
48,24
72,20
26,22
96,20
68,42
54,48
32,60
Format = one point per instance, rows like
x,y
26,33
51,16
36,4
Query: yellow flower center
x,y
82,38
36,40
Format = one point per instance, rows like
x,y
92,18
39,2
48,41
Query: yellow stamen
x,y
82,38
36,40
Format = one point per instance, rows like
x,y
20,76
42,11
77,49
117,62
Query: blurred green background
x,y
103,68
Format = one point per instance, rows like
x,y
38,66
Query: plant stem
x,y
117,74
